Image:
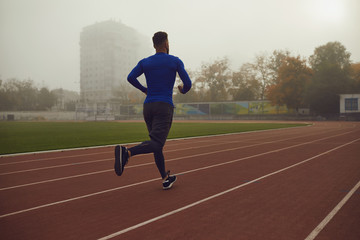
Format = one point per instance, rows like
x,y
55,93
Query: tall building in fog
x,y
108,52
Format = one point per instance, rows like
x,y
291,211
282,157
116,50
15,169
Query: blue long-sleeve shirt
x,y
160,73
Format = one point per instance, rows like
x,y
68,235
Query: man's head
x,y
160,41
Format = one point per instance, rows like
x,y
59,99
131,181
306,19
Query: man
x,y
160,73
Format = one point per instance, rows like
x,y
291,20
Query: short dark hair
x,y
159,38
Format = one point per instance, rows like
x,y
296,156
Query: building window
x,y
351,104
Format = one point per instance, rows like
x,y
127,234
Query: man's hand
x,y
180,87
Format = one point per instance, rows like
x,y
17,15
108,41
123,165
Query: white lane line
x,y
108,159
327,219
102,160
169,140
83,155
190,171
146,164
80,197
93,161
55,179
53,151
53,158
133,166
217,195
56,166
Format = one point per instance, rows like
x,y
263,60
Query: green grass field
x,y
20,137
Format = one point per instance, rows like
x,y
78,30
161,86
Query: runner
x,y
160,73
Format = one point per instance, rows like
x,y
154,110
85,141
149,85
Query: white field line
x,y
133,166
327,219
146,164
76,198
79,155
219,194
53,158
101,160
174,139
107,159
190,171
56,166
55,179
94,161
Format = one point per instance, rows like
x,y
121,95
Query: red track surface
x,y
278,184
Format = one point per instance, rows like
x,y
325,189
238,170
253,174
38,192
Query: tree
x,y
70,106
196,93
355,76
121,94
263,73
200,88
331,66
20,95
293,77
4,101
46,99
274,63
245,84
135,96
65,99
216,76
332,54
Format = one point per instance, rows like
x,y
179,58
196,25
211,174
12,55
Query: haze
x,y
39,39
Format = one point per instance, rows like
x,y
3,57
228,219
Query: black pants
x,y
158,118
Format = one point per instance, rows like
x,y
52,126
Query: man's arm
x,y
184,78
133,75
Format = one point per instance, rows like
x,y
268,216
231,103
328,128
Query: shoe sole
x,y
166,188
118,160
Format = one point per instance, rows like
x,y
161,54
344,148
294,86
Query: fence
x,y
214,110
41,116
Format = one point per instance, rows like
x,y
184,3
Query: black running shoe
x,y
169,181
121,159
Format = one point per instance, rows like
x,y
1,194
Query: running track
x,y
296,183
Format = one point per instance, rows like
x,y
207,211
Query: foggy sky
x,y
39,39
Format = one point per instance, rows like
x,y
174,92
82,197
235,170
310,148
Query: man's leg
x,y
161,125
158,118
160,163
122,154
